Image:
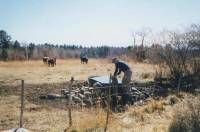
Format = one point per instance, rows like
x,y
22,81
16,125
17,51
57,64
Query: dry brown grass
x,y
187,116
35,72
154,106
39,118
138,120
43,119
154,116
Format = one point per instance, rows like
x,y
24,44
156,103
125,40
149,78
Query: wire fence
x,y
107,95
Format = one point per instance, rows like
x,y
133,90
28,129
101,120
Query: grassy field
x,y
152,116
35,72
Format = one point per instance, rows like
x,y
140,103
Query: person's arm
x,y
116,70
119,72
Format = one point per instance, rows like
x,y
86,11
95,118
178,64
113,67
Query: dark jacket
x,y
121,66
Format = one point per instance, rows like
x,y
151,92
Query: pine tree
x,y
4,44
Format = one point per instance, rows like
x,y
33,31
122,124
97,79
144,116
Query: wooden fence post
x,y
22,104
108,104
69,103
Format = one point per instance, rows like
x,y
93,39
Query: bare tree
x,y
178,52
143,34
134,35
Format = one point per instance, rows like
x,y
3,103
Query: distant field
x,y
35,72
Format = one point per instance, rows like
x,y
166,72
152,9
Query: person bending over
x,y
121,66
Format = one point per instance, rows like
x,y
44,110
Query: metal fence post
x,y
22,104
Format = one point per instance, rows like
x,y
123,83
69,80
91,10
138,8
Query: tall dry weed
x,y
187,116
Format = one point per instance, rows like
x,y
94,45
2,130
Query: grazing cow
x,y
45,60
51,61
84,60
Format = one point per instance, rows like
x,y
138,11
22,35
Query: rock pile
x,y
83,94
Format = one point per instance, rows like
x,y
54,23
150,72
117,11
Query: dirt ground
x,y
52,116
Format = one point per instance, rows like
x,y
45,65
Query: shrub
x,y
181,55
154,106
74,130
145,75
187,117
173,100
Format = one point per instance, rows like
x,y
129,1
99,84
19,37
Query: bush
x,y
154,106
187,117
146,75
173,100
181,54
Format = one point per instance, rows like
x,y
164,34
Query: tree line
x,y
14,50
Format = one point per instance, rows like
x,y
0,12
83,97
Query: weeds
x,y
154,106
187,116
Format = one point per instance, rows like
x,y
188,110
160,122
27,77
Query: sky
x,y
92,22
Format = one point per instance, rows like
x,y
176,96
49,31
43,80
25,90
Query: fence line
x,y
108,95
105,89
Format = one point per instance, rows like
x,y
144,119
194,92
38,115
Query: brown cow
x,y
84,59
52,61
45,60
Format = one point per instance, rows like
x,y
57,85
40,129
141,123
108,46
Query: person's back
x,y
122,66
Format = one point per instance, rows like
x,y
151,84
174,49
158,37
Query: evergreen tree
x,y
31,48
16,47
4,44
